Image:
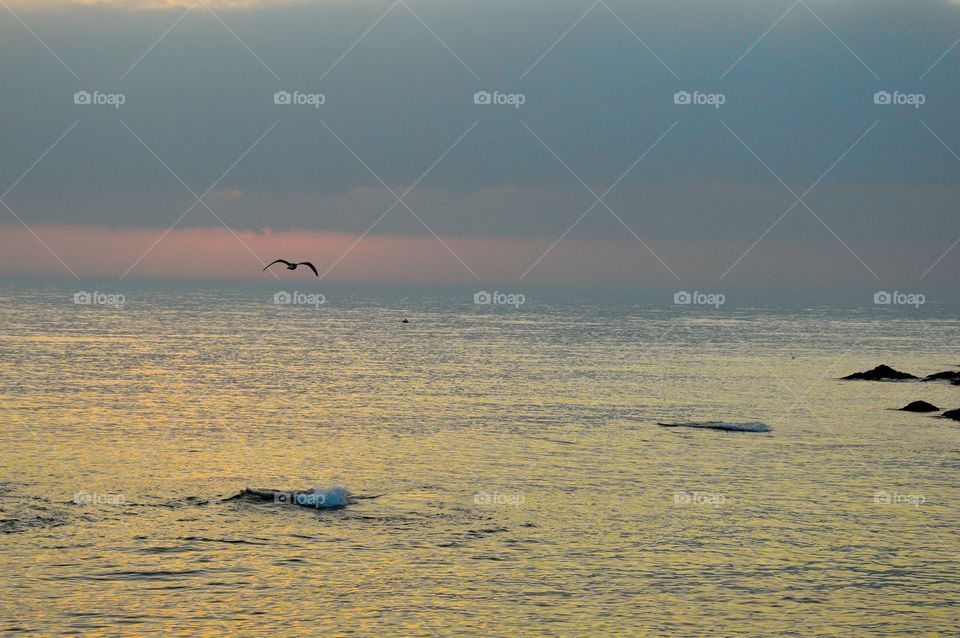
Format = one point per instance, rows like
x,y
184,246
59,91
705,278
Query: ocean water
x,y
522,484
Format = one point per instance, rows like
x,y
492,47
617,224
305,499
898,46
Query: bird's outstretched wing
x,y
312,267
279,261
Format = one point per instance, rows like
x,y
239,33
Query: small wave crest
x,y
755,426
318,497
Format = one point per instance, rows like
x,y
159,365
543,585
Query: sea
x,y
492,467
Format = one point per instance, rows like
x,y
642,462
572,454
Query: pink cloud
x,y
197,253
219,253
227,194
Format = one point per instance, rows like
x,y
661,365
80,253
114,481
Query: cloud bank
x,y
801,153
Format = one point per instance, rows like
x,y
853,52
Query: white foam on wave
x,y
333,496
318,497
754,426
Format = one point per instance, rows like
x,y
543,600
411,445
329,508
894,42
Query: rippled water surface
x,y
524,486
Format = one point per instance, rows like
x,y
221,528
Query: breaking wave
x,y
722,425
317,498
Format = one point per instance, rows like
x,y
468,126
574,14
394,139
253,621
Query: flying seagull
x,y
291,266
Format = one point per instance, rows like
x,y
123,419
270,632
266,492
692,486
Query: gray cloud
x,y
599,99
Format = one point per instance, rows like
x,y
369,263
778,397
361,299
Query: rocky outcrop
x,y
949,375
920,406
951,414
880,373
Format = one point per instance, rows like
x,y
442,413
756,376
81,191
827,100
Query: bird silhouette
x,y
292,266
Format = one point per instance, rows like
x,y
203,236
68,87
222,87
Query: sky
x,y
789,174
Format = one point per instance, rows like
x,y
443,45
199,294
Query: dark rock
x,y
951,414
949,375
920,406
880,373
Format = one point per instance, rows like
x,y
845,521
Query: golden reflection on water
x,y
596,521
